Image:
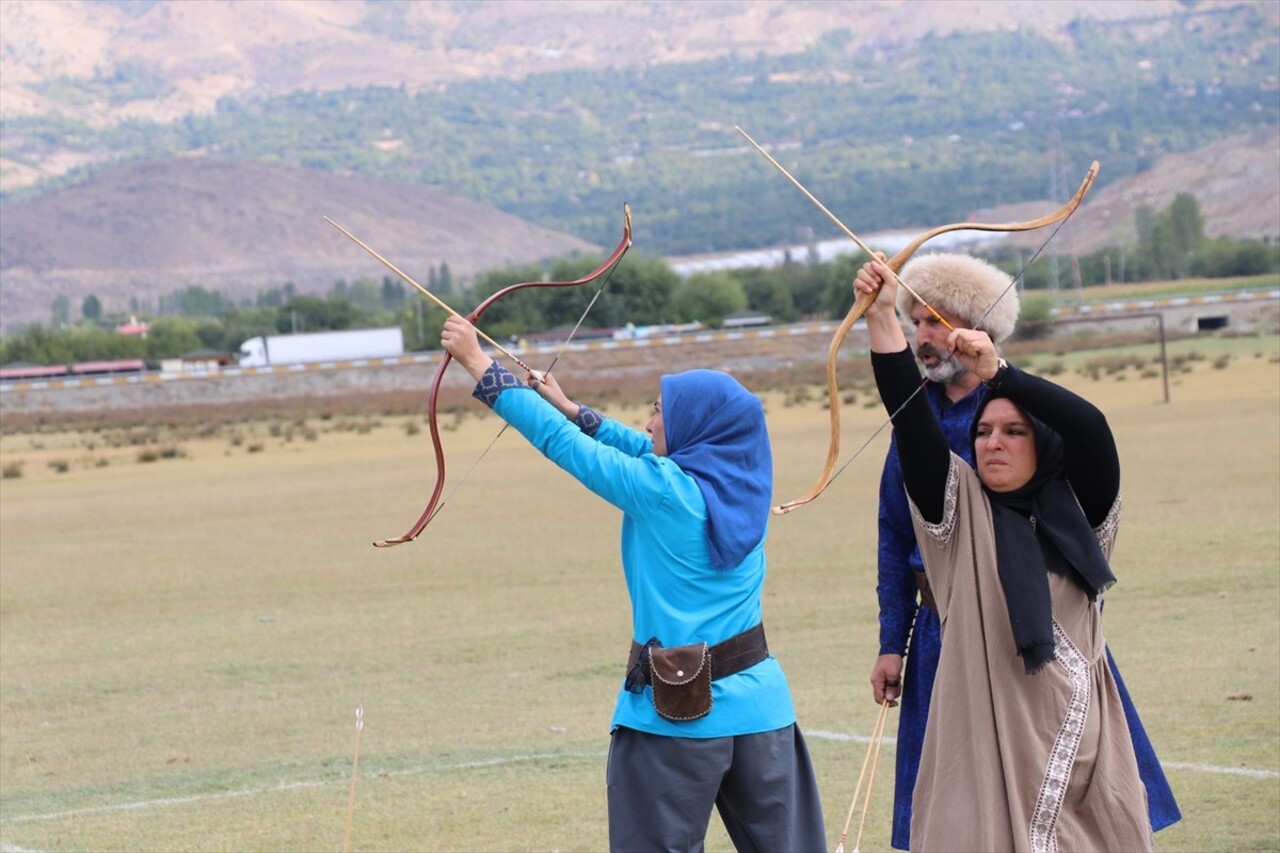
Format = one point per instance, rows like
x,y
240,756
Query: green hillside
x,y
898,137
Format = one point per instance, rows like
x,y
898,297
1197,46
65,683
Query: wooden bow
x,y
434,503
864,300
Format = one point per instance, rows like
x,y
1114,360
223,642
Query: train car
x,y
17,372
109,367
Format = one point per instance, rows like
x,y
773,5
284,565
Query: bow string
x,y
434,503
864,300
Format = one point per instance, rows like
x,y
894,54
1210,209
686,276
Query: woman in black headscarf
x,y
1026,747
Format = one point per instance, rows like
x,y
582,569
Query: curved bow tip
x,y
1089,177
387,543
783,509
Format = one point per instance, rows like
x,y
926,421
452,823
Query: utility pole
x,y
1053,197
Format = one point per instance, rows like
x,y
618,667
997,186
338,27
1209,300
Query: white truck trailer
x,y
322,346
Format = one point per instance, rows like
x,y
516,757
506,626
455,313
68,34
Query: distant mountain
x,y
557,111
144,143
163,59
1236,182
148,229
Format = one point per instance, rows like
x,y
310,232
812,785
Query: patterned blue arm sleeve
x,y
623,475
632,442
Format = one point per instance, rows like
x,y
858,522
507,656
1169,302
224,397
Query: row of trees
x,y
643,290
1171,245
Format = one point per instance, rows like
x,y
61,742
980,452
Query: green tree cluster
x,y
1170,245
641,290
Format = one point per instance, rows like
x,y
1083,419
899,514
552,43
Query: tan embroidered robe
x,y
1013,761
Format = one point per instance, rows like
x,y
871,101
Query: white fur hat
x,y
965,288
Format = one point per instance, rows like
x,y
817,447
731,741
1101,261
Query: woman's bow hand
x,y
459,339
976,351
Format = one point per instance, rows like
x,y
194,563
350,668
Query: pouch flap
x,y
678,665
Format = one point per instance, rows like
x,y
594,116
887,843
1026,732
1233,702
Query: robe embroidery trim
x,y
1044,819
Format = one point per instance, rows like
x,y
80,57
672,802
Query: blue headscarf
x,y
716,433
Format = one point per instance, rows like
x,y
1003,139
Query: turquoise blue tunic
x,y
676,594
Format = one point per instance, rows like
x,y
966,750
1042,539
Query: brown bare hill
x,y
1236,182
148,229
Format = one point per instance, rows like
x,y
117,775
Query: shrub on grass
x,y
798,396
1053,368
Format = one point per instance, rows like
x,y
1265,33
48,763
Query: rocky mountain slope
x,y
1236,182
207,49
149,229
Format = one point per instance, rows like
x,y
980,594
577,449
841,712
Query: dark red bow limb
x,y
433,505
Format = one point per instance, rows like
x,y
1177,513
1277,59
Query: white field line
x,y
1226,771
817,734
292,786
1168,765
847,737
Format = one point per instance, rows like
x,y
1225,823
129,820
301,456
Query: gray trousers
x,y
661,790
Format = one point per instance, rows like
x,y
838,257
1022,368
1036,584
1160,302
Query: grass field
x,y
188,623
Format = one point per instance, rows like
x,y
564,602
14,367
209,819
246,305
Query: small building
x,y
199,361
132,329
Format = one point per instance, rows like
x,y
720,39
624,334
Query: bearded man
x,y
969,293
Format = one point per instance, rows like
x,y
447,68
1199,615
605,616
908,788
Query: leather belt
x,y
926,591
739,652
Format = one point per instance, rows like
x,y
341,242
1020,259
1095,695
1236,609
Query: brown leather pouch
x,y
681,680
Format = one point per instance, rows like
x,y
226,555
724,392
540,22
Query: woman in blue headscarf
x,y
704,716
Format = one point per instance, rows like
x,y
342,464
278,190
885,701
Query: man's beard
x,y
946,370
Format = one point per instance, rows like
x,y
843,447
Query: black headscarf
x,y
1040,528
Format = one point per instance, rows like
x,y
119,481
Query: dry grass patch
x,y
182,646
